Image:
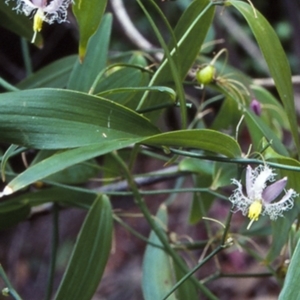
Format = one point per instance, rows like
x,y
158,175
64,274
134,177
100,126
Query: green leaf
x,y
204,139
63,196
157,277
65,159
257,127
187,290
56,119
88,14
75,174
85,73
6,156
190,33
90,254
276,60
55,75
18,23
281,226
291,284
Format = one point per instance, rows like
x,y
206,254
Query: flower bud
x,y
255,107
206,75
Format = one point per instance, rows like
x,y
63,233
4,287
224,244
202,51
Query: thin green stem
x,y
196,268
140,202
54,245
175,68
227,226
11,291
135,233
243,161
144,193
9,87
26,56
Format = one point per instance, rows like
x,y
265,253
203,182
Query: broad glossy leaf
x,y
276,60
88,14
204,139
158,275
291,284
55,75
56,119
84,73
18,23
90,254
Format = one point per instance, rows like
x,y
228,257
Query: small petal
x,y
40,3
249,182
255,107
276,209
272,191
259,184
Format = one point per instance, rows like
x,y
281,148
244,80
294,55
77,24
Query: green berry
x,y
206,75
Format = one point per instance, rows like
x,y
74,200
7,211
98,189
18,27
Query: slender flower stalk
x,y
43,11
259,197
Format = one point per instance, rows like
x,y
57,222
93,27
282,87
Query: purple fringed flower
x,y
56,10
259,196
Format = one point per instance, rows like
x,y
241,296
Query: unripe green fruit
x,y
206,75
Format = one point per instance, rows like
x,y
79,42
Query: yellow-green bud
x,y
206,75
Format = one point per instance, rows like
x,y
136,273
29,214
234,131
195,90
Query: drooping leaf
x,y
190,33
90,254
65,159
88,14
276,59
85,73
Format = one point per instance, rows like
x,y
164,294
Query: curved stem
x,y
140,202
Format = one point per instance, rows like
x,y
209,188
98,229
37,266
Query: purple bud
x,y
255,106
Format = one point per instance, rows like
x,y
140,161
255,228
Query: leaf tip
x,y
6,191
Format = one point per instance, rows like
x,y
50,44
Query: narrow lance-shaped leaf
x,y
199,139
88,14
157,267
291,285
85,72
276,60
90,254
204,139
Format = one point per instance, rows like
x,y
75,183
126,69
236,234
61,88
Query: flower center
x,y
254,211
37,23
